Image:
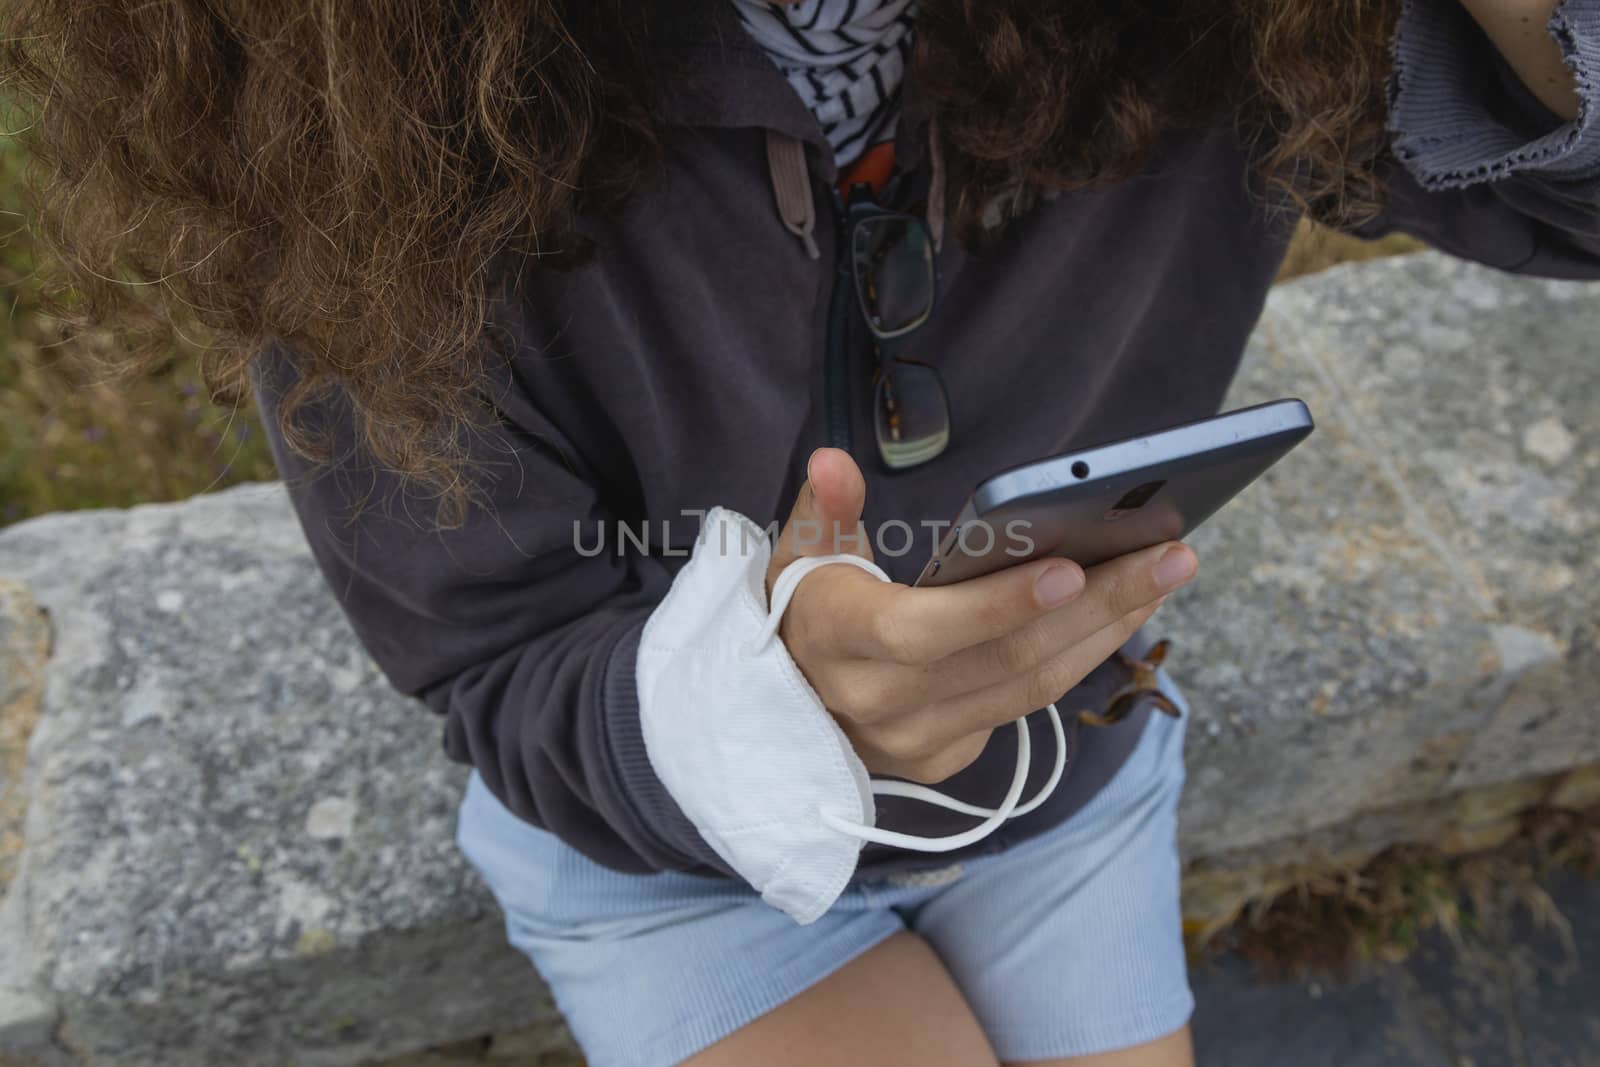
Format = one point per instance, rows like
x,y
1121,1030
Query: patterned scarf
x,y
844,57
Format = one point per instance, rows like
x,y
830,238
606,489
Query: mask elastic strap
x,y
782,592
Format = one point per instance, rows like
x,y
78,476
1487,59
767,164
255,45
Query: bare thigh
x,y
1174,1050
895,1003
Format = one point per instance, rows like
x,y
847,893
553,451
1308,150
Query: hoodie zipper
x,y
836,368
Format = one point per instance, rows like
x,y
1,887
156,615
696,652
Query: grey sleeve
x,y
1476,165
522,641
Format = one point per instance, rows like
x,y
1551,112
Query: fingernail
x,y
1058,585
1175,567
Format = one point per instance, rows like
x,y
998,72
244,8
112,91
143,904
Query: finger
x,y
826,517
1021,694
1113,590
1127,583
916,626
1023,638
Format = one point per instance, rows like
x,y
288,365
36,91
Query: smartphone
x,y
1096,503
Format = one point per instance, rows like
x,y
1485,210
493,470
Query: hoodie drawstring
x,y
791,188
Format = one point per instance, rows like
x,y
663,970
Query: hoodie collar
x,y
724,79
727,80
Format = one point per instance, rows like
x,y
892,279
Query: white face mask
x,y
745,745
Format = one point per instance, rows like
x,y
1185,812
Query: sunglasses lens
x,y
913,414
894,273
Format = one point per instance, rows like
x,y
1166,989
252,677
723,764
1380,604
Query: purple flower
x,y
94,434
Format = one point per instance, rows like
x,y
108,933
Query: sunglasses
x,y
887,258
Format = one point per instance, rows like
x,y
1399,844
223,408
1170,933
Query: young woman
x,y
550,304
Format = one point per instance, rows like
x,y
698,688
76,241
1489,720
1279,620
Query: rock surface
x,y
1409,605
239,840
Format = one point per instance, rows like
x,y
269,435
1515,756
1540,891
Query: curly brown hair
x,y
346,176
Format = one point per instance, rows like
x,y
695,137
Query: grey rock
x,y
1408,605
27,1019
29,1013
240,841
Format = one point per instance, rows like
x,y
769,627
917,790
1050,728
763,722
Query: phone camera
x,y
1134,499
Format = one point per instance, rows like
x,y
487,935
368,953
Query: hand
x,y
918,678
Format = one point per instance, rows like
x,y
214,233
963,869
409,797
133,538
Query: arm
x,y
1479,164
1518,30
523,644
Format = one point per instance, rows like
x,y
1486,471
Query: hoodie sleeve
x,y
511,626
1476,165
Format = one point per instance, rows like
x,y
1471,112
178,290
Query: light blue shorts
x,y
1066,944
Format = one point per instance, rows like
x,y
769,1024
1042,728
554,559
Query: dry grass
x,y
68,441
1336,920
1315,248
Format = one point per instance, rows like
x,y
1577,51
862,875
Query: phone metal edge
x,y
1253,423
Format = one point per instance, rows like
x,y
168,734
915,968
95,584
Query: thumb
x,y
826,518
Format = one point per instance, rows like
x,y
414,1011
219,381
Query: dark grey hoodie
x,y
683,369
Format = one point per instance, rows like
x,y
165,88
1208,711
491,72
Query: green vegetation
x,y
70,438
